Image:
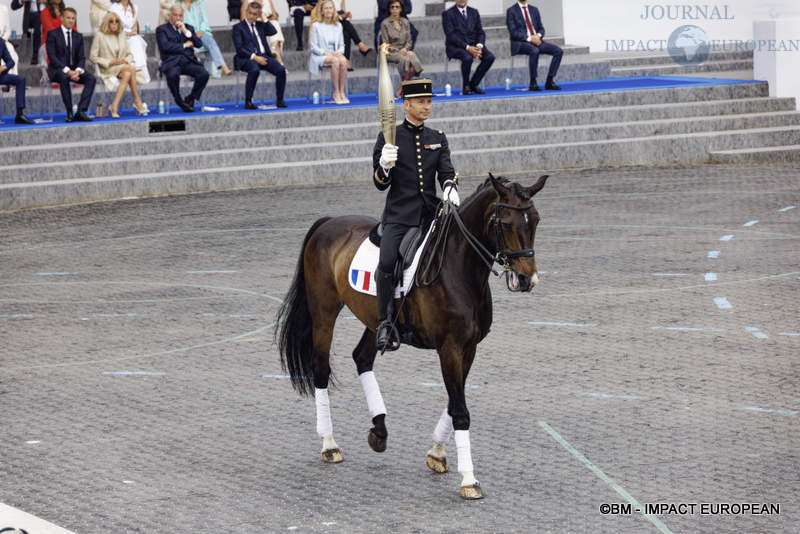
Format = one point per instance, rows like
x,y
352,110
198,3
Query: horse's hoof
x,y
332,456
439,465
472,493
376,443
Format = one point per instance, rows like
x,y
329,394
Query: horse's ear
x,y
535,188
501,189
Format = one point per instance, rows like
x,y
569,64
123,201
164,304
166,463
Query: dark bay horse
x,y
450,313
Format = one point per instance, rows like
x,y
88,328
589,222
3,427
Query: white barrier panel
x,y
776,57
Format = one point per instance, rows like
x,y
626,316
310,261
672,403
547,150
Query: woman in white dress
x,y
97,11
327,48
269,15
127,12
5,34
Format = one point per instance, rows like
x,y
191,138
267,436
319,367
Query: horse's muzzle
x,y
522,282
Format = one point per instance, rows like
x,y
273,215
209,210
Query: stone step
x,y
751,110
684,148
531,134
767,154
675,69
198,123
619,60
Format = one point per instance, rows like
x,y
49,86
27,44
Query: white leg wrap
x,y
373,393
444,429
464,454
324,423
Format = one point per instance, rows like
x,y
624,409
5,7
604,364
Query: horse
x,y
450,312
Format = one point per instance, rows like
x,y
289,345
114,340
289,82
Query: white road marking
x,y
795,334
685,329
33,442
750,223
548,323
16,316
787,208
714,254
127,481
57,273
31,523
765,410
722,303
608,396
605,478
710,277
726,237
756,332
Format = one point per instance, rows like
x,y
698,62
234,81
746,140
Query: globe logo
x,y
774,13
689,46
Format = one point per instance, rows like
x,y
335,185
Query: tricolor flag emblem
x,y
361,279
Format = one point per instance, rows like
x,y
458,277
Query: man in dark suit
x,y
67,62
527,37
11,79
253,55
31,23
465,40
299,9
176,43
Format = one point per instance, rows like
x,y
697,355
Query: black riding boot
x,y
386,335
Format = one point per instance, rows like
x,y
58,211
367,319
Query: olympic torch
x,y
386,109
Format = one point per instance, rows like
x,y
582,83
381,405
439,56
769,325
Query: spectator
x,y
465,40
253,55
114,60
383,12
196,16
176,43
270,16
97,11
236,9
5,35
66,60
128,14
396,31
348,30
299,9
31,23
527,37
51,17
6,78
327,48
163,11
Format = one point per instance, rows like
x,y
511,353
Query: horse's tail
x,y
293,328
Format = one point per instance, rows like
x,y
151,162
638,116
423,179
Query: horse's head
x,y
511,227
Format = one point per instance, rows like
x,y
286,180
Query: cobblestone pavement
x,y
656,362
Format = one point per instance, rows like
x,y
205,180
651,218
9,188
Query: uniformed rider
x,y
409,170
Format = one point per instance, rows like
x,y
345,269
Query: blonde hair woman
x,y
327,48
128,14
113,58
270,16
348,30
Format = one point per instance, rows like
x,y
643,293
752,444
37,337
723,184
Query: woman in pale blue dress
x,y
195,15
327,48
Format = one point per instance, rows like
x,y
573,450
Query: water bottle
x,y
508,84
147,29
161,106
13,35
100,111
448,91
315,96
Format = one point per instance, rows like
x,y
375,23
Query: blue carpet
x,y
370,99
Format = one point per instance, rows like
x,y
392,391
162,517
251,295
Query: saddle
x,y
408,247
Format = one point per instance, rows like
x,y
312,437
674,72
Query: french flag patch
x,y
362,279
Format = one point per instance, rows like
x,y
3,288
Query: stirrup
x,y
393,341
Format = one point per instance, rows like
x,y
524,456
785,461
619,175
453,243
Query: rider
x,y
410,170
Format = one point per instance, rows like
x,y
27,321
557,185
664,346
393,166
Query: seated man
x,y
253,55
66,65
527,33
299,9
464,39
176,43
6,64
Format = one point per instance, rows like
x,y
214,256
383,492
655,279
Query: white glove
x,y
450,194
388,156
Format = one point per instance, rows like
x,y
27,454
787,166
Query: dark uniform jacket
x,y
423,157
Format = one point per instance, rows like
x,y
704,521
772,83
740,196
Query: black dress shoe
x,y
367,52
82,117
466,90
550,86
534,87
476,89
22,119
299,48
248,104
280,103
189,101
185,107
70,117
35,61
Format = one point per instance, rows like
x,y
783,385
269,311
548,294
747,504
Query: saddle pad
x,y
365,263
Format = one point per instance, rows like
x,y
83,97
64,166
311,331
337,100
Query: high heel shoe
x,y
226,70
114,112
363,53
141,110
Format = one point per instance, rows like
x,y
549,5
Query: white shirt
x,y
524,9
72,52
254,30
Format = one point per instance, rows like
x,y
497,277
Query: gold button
x,y
417,137
419,157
